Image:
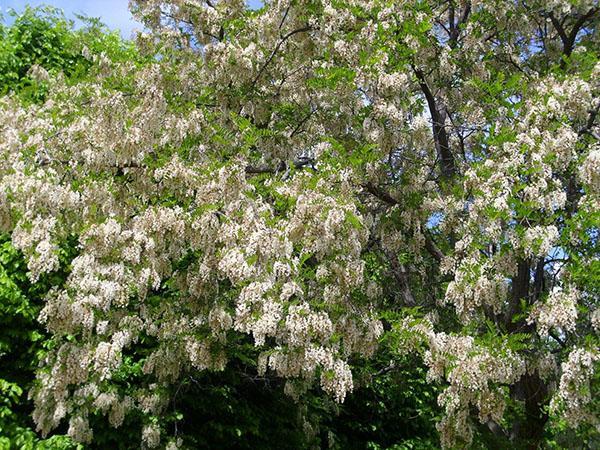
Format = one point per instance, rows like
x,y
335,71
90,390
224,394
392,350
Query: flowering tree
x,y
318,175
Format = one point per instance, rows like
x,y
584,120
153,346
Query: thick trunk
x,y
529,431
519,291
530,389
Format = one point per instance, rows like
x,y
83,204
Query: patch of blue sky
x,y
114,13
434,220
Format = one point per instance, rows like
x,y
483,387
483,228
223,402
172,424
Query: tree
x,y
321,176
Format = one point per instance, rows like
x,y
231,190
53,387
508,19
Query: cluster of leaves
x,y
43,36
22,344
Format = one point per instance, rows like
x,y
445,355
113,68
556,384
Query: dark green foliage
x,y
22,342
38,36
236,409
395,409
43,36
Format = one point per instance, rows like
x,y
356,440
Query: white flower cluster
x,y
559,310
34,238
575,395
470,291
589,171
475,375
539,240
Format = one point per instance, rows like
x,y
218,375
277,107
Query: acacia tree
x,y
263,172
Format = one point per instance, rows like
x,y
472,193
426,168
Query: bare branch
x,y
440,136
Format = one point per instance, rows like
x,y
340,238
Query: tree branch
x,y
577,27
299,163
380,193
440,136
559,29
384,196
276,49
432,248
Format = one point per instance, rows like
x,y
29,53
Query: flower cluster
x,y
558,311
575,394
475,375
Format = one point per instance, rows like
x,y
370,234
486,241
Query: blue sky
x,y
113,13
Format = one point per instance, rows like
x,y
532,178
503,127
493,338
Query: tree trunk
x,y
530,389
